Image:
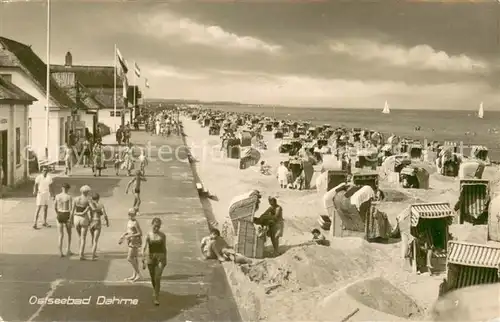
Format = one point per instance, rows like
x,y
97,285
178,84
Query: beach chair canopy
x,y
475,255
434,210
395,162
471,169
420,173
386,148
368,153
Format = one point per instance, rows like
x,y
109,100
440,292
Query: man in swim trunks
x,y
42,189
136,181
62,205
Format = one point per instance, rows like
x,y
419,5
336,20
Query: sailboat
x,y
386,109
480,113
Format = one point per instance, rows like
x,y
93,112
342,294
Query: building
x,y
22,67
14,110
85,116
99,81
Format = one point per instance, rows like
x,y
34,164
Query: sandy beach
x,y
316,282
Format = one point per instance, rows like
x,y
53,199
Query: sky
x,y
342,54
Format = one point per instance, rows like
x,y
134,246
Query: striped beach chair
x,y
473,201
471,264
426,222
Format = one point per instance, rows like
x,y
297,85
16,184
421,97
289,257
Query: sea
x,y
459,127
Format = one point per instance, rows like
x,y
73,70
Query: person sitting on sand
x,y
299,181
272,218
215,247
319,238
264,168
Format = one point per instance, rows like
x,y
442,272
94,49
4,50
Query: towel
x,y
328,197
361,196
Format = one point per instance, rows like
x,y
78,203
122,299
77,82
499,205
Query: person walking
x,y
136,182
97,214
62,205
155,256
42,189
133,235
82,206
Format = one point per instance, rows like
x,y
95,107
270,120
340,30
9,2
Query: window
x,y
112,113
7,77
18,145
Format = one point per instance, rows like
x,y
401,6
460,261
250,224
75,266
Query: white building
x,y
14,105
108,117
21,66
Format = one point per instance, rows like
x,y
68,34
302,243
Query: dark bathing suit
x,y
137,190
63,217
157,252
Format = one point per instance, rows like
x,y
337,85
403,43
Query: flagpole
x,y
135,88
47,115
114,92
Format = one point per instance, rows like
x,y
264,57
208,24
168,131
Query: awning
x,y
476,255
433,210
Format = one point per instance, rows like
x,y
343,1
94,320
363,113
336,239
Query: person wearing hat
x,y
62,206
80,212
42,189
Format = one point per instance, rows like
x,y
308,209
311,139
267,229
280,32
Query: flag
x,y
137,70
122,61
125,86
146,83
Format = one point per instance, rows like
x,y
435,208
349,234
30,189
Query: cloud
x,y
167,25
294,90
162,71
419,57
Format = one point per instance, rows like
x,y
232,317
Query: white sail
x,y
480,113
386,109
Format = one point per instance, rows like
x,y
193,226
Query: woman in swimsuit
x,y
96,222
82,206
155,247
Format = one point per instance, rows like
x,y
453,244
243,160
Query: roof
x,y
91,76
432,210
29,61
476,255
10,92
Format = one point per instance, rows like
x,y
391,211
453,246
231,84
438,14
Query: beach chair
x,y
426,222
471,264
248,241
243,208
473,201
366,179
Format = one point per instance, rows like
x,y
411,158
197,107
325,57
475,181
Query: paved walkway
x,y
193,289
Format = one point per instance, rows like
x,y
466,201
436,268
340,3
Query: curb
x,y
203,193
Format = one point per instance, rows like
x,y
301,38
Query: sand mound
x,y
313,265
372,299
477,303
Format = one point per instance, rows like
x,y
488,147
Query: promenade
x,y
192,289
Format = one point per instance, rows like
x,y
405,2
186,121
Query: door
x,y
3,150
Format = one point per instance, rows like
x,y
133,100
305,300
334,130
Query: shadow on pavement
x,y
26,278
104,186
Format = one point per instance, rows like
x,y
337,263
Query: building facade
x,y
21,66
14,110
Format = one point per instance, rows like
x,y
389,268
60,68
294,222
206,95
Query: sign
x,y
4,121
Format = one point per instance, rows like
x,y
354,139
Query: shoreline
x,y
318,273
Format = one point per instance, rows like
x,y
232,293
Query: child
x,y
136,181
117,163
143,162
318,237
134,241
